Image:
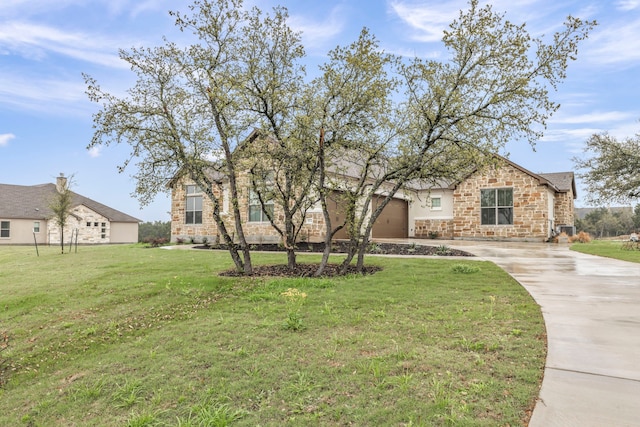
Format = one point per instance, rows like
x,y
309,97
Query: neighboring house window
x,y
436,203
496,206
5,229
256,214
36,226
88,223
193,212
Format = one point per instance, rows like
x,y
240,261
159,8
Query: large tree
x,y
611,169
191,108
494,88
245,73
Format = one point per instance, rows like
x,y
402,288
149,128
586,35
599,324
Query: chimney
x,y
61,183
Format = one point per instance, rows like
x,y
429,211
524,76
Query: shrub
x,y
581,237
432,234
154,242
443,250
465,268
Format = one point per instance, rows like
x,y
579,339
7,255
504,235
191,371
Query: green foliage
x,y
443,250
607,222
150,231
246,72
610,168
61,205
465,268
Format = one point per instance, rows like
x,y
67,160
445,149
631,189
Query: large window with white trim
x,y
193,210
496,206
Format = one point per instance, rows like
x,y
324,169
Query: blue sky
x,y
46,118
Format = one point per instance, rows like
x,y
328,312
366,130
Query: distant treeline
x,y
148,231
610,222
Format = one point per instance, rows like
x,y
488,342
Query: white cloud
x,y
95,152
316,34
595,117
427,22
35,41
5,138
617,43
627,5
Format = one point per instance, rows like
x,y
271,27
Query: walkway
x,y
591,307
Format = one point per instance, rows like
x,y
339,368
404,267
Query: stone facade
x,y
434,228
537,209
255,232
91,227
564,208
530,206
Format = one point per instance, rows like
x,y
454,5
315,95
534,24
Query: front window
x,y
436,203
496,206
193,211
5,229
36,226
256,214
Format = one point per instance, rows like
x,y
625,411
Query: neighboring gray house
x,y
25,216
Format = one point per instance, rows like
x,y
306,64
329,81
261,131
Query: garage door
x,y
393,221
336,205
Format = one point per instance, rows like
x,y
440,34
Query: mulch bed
x,y
374,249
301,270
332,270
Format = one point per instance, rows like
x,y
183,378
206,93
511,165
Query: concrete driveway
x,y
591,308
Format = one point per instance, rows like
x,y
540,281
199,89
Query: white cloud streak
x,y
317,34
36,41
95,152
5,138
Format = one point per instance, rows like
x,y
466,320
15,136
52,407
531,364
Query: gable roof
x,y
563,181
560,182
32,202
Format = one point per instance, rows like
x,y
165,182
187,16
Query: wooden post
x,y
35,240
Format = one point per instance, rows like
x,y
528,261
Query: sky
x,y
45,46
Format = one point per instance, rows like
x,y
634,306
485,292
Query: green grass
x,y
609,249
124,335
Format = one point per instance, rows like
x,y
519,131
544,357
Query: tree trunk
x,y
291,258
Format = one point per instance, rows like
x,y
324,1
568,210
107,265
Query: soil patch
x,y
301,270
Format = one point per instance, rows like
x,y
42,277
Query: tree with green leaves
x,y
494,87
202,102
611,168
191,108
61,204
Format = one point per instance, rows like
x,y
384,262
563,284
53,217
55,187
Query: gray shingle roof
x,y
564,181
32,202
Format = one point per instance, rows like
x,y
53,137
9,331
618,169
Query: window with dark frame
x,y
496,206
193,210
5,229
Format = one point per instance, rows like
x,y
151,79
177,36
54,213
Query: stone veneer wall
x,y
255,232
530,212
564,209
424,228
87,234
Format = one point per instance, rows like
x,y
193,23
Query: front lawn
x,y
608,248
125,335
